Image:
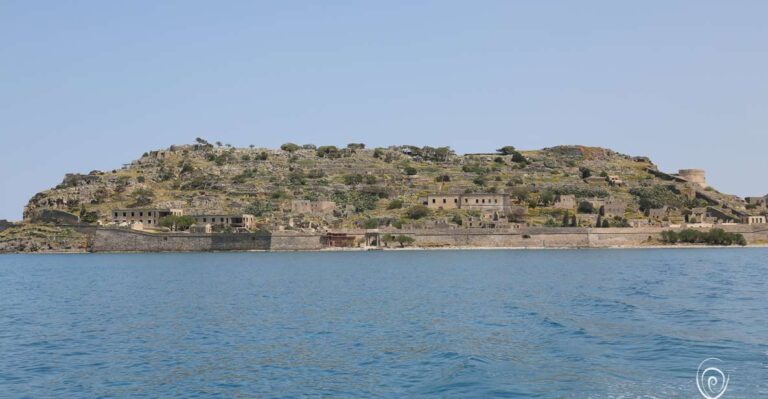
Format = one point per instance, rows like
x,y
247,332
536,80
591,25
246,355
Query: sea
x,y
610,323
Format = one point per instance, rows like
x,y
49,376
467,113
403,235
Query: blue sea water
x,y
468,324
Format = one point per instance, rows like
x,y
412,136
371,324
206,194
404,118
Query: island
x,y
216,197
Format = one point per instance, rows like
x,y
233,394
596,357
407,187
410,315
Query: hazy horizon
x,y
94,85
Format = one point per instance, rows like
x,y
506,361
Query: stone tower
x,y
694,176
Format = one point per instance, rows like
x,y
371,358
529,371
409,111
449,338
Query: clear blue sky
x,y
91,85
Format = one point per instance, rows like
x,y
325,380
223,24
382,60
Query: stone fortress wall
x,y
121,240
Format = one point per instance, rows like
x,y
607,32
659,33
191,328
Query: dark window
x,y
433,200
455,200
115,214
443,200
141,213
123,214
133,214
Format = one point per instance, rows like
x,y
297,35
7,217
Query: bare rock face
x,y
77,179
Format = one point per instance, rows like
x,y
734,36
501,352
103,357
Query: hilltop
x,y
372,187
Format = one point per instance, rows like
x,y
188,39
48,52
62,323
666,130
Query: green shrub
x,y
328,151
656,197
260,208
417,212
395,204
711,237
353,179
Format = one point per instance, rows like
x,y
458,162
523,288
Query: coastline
x,y
414,248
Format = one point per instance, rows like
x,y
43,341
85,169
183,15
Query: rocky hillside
x,y
379,184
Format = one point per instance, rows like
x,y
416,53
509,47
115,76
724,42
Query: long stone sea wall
x,y
121,240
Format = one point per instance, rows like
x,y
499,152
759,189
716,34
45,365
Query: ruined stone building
x,y
234,221
565,202
149,217
612,209
753,219
479,202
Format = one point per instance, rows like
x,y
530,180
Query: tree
x,y
417,212
387,238
309,147
180,223
506,150
443,178
404,240
585,172
498,160
442,153
290,147
356,146
378,153
218,144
